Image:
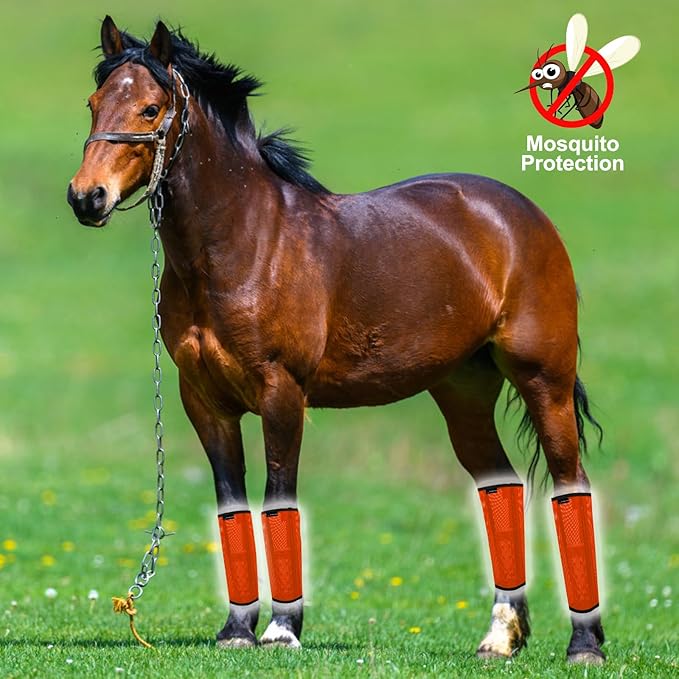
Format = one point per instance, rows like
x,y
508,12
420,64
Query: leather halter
x,y
157,136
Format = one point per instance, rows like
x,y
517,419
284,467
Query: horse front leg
x,y
282,410
221,438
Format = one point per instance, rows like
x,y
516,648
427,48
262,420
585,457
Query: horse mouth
x,y
100,221
86,221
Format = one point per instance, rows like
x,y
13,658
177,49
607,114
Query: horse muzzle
x,y
93,207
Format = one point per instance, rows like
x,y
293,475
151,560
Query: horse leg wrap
x,y
503,513
575,531
283,554
240,558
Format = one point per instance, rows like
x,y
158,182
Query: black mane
x,y
224,89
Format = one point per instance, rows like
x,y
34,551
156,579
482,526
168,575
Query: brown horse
x,y
278,294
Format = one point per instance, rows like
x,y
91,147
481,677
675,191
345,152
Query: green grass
x,y
380,91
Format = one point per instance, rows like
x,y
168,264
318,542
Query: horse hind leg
x,y
467,400
544,373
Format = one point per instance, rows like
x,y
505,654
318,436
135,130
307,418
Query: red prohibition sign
x,y
550,114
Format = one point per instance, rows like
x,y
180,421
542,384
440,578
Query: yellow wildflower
x,y
462,604
355,595
47,560
359,582
68,546
415,630
396,581
48,497
211,547
9,545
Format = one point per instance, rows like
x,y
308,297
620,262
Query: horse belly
x,y
372,388
373,366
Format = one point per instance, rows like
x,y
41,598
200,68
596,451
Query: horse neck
x,y
214,194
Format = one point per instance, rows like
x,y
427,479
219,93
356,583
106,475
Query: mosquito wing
x,y
576,39
616,53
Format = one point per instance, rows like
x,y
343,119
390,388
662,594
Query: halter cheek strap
x,y
136,137
157,137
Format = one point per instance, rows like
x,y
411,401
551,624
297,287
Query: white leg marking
x,y
275,635
504,636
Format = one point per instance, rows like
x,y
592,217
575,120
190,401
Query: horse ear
x,y
111,42
161,44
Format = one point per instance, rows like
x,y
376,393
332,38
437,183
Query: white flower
x,y
69,660
653,603
666,591
51,593
93,595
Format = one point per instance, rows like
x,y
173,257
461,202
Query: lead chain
x,y
156,203
150,559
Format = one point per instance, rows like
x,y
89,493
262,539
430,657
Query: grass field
x,y
398,581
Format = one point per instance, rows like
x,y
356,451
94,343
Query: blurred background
x,y
379,91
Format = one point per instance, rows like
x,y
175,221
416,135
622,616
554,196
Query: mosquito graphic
x,y
553,75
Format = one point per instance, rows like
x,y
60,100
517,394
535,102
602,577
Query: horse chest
x,y
213,371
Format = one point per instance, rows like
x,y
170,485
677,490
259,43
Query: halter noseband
x,y
157,136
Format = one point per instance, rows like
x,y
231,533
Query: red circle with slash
x,y
550,114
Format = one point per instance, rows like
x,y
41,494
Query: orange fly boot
x,y
283,554
240,558
503,513
575,531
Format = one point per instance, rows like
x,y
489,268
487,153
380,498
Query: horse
x,y
278,295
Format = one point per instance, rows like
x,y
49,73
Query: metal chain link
x,y
156,203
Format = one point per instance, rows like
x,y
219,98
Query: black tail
x,y
528,436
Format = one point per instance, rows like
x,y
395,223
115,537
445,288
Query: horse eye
x,y
150,112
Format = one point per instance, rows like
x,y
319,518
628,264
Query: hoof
x,y
506,634
489,654
237,642
276,636
586,642
591,657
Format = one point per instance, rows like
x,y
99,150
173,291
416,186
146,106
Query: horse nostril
x,y
70,195
98,197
